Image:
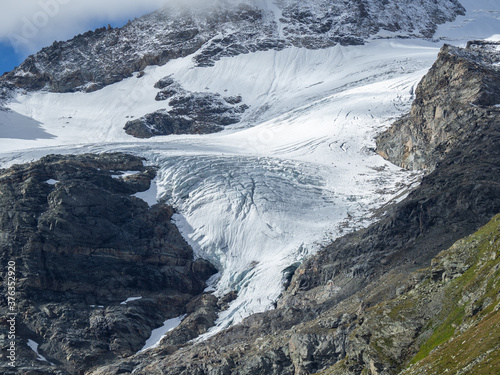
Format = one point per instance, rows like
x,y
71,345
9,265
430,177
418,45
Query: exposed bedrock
x,y
83,244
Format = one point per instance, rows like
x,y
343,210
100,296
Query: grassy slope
x,y
466,337
448,322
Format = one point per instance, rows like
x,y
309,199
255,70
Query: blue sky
x,y
28,26
8,58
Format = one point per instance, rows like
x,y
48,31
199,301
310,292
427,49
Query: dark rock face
x,y
254,30
191,113
216,29
164,82
83,244
106,56
341,313
454,101
162,123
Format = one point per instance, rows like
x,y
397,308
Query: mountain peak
x,y
220,28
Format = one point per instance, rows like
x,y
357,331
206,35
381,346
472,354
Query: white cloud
x,y
31,24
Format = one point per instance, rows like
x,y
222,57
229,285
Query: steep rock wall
x,y
82,244
454,102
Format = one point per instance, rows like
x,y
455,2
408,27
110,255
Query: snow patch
x,y
481,21
149,196
51,182
158,333
130,299
34,346
123,174
494,38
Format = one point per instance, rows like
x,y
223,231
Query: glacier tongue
x,y
255,216
296,182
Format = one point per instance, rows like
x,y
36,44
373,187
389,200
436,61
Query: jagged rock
x,y
168,87
164,82
321,23
435,311
233,99
162,123
83,244
207,108
191,113
454,102
236,45
151,40
166,94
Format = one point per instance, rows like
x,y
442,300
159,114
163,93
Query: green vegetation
x,y
448,323
476,351
466,335
442,333
402,308
339,368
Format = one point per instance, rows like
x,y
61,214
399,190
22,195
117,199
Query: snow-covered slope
x,y
298,171
481,21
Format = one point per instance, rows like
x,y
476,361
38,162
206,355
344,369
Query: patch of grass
x,y
477,350
477,347
339,368
441,334
379,347
402,308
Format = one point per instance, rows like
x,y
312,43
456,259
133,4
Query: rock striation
x,y
83,244
214,29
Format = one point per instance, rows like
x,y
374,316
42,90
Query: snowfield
x,y
296,173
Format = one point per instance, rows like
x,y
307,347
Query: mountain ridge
x,y
96,59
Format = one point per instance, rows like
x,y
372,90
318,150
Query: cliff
x,y
83,244
455,101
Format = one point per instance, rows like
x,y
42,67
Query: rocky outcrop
x,y
190,113
350,324
455,101
214,29
83,244
361,305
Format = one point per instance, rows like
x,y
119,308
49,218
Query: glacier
x,y
297,172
